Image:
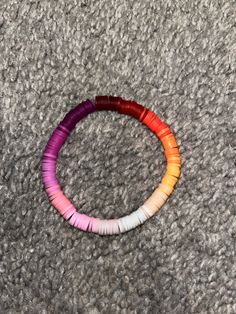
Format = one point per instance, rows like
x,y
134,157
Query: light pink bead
x,y
84,222
95,225
72,220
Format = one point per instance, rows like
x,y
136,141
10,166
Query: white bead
x,y
142,218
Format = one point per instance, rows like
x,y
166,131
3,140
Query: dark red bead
x,y
102,103
115,102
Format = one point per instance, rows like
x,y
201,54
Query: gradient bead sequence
x,y
150,206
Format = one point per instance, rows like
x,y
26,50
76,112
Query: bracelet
x,y
151,205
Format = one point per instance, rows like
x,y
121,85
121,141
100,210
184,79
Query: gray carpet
x,y
178,59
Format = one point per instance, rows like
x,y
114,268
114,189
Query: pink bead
x,y
69,213
86,221
64,210
73,219
61,203
49,182
55,196
83,222
47,177
78,215
49,161
53,189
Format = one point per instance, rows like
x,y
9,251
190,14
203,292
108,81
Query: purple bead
x,y
76,114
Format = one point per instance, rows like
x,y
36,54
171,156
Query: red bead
x,y
160,127
152,121
133,109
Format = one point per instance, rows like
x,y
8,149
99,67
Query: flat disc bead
x,y
152,122
147,211
156,200
169,180
173,170
174,159
103,103
169,141
166,189
133,109
171,152
163,132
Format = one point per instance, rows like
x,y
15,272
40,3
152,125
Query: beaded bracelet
x,y
151,205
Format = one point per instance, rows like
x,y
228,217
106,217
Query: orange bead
x,y
171,152
163,133
173,170
169,141
169,180
173,159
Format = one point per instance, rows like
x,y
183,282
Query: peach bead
x,y
158,193
154,204
156,200
166,189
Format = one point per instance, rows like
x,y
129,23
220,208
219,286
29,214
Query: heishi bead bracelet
x,y
151,205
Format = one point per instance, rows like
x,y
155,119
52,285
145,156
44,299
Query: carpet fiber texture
x,y
178,59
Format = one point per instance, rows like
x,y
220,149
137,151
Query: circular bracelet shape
x,y
150,206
